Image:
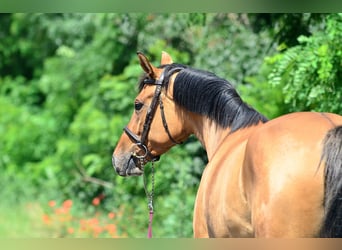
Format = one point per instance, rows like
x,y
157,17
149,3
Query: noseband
x,y
141,142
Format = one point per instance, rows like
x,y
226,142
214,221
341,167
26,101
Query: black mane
x,y
205,93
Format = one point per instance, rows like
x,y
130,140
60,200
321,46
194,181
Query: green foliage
x,y
227,46
310,72
285,28
265,98
67,88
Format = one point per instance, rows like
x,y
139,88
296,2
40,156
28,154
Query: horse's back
x,y
283,179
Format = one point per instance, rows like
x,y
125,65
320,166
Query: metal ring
x,y
141,156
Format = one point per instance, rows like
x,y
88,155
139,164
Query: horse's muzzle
x,y
126,166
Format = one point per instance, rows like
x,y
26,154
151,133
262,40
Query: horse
x,y
278,178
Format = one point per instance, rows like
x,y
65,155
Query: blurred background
x,y
67,88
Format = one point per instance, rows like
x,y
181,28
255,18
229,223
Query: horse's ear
x,y
166,58
146,65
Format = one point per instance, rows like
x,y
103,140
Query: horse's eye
x,y
138,106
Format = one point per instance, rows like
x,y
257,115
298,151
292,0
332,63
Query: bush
x,y
67,88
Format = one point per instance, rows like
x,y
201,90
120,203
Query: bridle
x,y
141,142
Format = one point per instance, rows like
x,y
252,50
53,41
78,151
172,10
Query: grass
x,y
22,221
53,220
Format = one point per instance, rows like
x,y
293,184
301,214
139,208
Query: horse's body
x,y
278,178
265,181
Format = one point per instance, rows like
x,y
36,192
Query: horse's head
x,y
156,124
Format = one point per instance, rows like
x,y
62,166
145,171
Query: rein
x,y
141,142
149,196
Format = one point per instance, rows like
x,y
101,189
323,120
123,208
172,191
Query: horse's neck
x,y
209,134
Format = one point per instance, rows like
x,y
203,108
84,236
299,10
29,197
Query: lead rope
x,y
149,196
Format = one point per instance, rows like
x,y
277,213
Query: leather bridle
x,y
141,142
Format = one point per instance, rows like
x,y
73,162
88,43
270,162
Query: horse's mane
x,y
205,93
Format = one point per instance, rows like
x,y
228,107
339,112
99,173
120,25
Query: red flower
x,y
71,230
111,215
52,203
46,219
67,204
96,201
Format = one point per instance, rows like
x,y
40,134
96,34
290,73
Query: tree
x,y
68,82
310,73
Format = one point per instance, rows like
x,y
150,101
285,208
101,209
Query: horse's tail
x,y
332,155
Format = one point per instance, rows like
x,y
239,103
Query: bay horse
x,y
264,178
